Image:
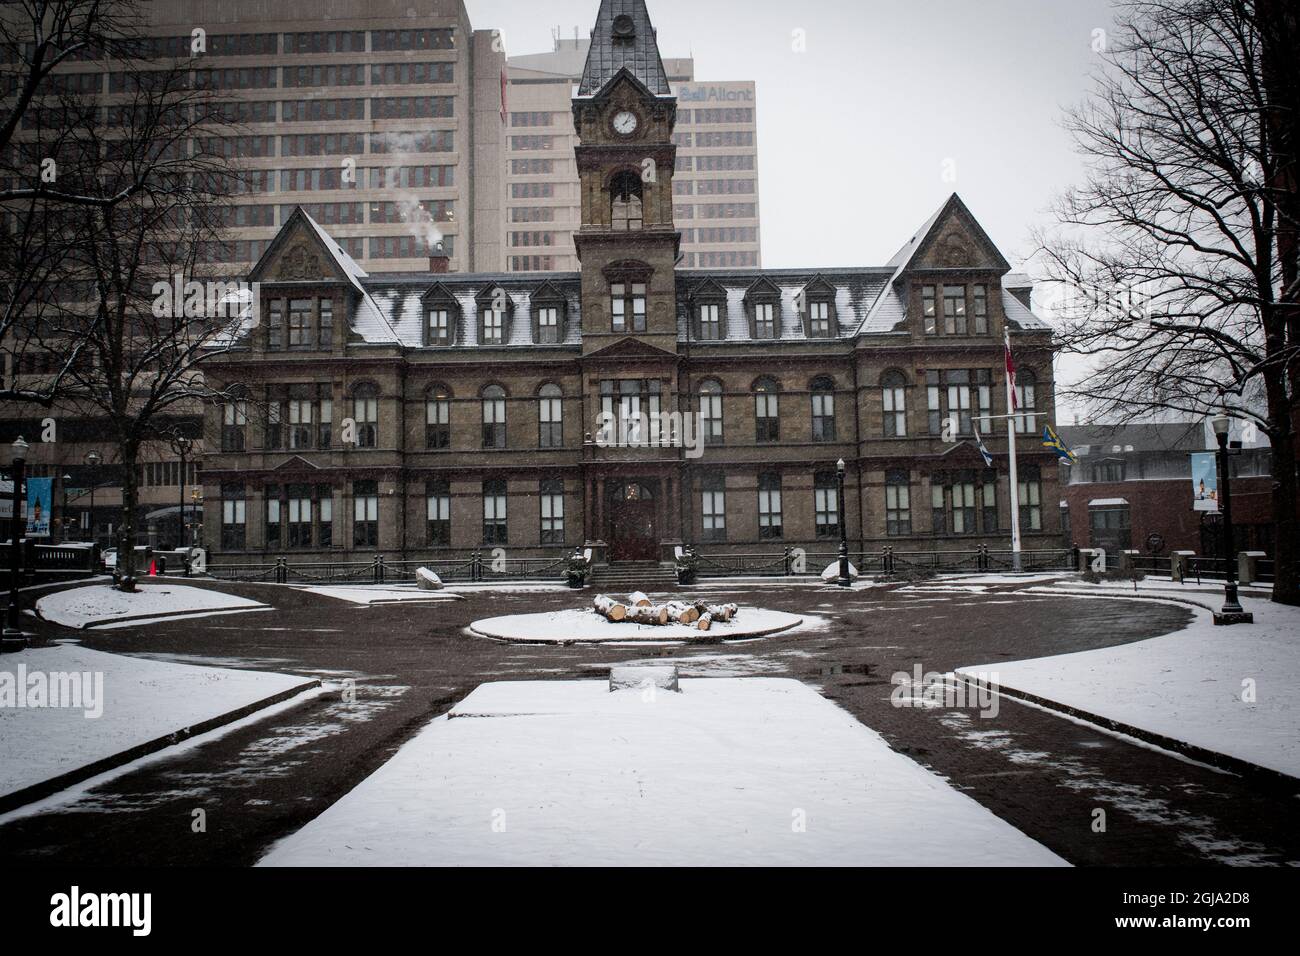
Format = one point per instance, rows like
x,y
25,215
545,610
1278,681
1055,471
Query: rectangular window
x,y
823,415
938,513
275,324
963,505
494,419
234,518
980,309
548,325
365,413
1031,504
273,516
765,320
898,503
439,327
550,419
552,510
325,427
713,507
710,324
300,516
895,400
326,326
494,326
494,512
234,425
826,504
627,306
300,420
929,313
365,514
819,319
769,506
300,315
767,423
959,399
325,511
438,513
989,516
437,420
954,310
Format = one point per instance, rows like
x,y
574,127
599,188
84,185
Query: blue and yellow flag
x,y
1053,441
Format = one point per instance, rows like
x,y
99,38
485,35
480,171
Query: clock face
x,y
625,123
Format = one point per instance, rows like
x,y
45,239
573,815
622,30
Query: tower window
x,y
625,202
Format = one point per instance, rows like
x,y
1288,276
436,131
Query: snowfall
x,y
1230,690
728,771
142,701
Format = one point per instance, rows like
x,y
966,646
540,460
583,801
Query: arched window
x,y
823,409
1026,400
550,416
767,421
437,417
625,202
365,414
893,394
494,417
711,411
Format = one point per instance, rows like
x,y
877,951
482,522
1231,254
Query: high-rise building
x,y
716,181
382,120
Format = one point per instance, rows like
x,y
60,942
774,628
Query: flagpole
x,y
1011,449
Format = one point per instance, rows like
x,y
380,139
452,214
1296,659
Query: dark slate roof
x,y
610,53
1103,440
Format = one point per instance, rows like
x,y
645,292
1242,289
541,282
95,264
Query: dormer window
x,y
548,308
625,202
764,320
441,311
763,304
494,308
438,331
818,298
709,315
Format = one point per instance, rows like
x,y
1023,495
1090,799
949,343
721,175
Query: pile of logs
x,y
638,609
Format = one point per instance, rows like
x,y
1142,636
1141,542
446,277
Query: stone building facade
x,y
421,415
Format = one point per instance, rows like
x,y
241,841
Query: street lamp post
x,y
93,458
1232,611
845,581
64,527
13,638
182,446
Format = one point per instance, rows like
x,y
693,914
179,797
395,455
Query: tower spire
x,y
623,39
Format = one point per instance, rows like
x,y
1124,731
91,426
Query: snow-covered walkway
x,y
755,771
103,605
1227,690
122,703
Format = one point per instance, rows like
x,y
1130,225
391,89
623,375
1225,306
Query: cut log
x,y
638,599
609,608
681,613
705,621
648,614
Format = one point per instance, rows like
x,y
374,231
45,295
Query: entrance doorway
x,y
632,532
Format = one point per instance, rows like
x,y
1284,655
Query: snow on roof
x,y
1106,502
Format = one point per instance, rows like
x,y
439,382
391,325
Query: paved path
x,y
1044,774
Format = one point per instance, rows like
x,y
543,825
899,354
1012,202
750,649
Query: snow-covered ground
x,y
1230,690
754,771
138,701
585,625
84,606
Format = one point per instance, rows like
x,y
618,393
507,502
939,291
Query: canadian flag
x,y
1011,373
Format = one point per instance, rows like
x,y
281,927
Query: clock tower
x,y
624,113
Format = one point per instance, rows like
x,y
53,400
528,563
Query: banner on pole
x,y
1205,482
40,495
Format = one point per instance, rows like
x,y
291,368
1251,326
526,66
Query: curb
x,y
46,788
1264,775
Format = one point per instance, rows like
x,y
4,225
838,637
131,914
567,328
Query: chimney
x,y
438,264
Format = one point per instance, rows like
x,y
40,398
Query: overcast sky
x,y
853,133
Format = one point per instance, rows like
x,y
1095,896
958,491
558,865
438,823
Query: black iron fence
x,y
477,566
796,562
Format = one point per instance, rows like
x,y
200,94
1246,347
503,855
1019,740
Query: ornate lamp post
x,y
93,459
1232,611
845,581
13,638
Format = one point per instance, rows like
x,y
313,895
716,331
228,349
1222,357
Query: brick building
x,y
1132,488
429,414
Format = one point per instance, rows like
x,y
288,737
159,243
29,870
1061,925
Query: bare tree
x,y
1168,255
135,299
